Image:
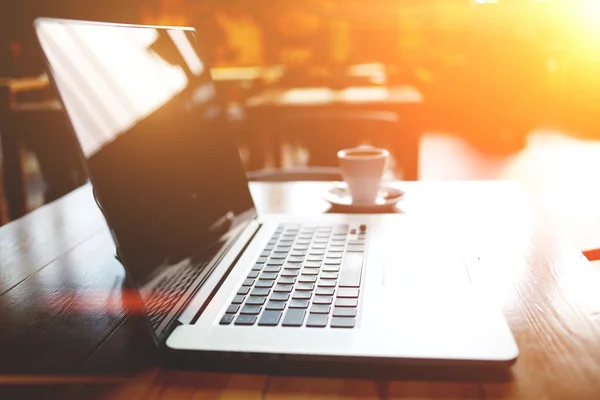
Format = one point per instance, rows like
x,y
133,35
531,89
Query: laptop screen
x,y
166,173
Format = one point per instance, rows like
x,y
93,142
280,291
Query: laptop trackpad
x,y
419,269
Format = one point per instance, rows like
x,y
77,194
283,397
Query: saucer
x,y
339,197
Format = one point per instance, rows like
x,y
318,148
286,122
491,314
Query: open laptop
x,y
215,277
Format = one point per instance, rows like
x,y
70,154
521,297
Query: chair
x,y
324,132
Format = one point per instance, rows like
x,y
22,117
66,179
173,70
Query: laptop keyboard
x,y
306,276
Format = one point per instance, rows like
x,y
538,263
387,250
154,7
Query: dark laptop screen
x,y
166,173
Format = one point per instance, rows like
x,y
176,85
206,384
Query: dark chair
x,y
324,132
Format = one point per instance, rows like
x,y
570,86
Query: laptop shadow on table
x,y
415,371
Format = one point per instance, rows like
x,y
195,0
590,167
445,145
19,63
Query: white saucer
x,y
339,197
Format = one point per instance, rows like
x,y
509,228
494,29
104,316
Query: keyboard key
x,y
290,272
334,255
342,322
280,256
322,300
327,283
317,320
283,288
263,283
355,248
253,310
301,295
243,290
323,241
275,261
268,275
227,319
303,242
356,242
319,246
325,291
256,300
261,260
238,299
307,278
265,254
292,259
300,247
281,249
296,253
272,268
344,312
311,271
320,309
253,274
332,261
312,264
315,258
260,292
336,249
294,317
346,302
317,252
248,282
244,319
292,266
347,292
257,267
305,286
279,296
278,305
232,309
270,318
329,275
331,268
298,304
351,270
288,280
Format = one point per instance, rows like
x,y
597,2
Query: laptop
x,y
216,278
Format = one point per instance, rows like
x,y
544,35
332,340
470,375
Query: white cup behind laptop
x,y
362,169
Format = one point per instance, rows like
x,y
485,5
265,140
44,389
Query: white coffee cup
x,y
362,169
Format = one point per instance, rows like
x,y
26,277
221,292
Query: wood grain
x,y
321,389
423,390
34,241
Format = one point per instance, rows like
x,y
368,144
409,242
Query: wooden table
x,y
266,109
63,318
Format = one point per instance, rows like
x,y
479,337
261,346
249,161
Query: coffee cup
x,y
362,169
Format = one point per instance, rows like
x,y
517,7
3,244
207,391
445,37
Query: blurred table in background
x,y
267,109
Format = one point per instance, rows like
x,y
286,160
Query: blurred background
x,y
458,89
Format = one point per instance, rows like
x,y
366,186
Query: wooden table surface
x,y
63,317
